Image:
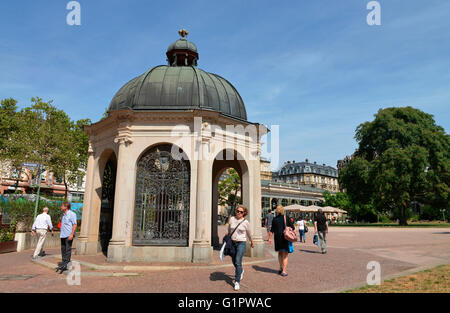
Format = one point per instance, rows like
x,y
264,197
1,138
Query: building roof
x,y
307,168
182,44
181,85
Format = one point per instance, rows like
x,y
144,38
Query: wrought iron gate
x,y
161,212
107,205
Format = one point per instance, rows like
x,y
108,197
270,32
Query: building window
x,y
14,173
307,179
265,203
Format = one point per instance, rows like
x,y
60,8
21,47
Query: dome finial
x,y
183,32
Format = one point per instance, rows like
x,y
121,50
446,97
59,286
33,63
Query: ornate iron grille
x,y
107,205
161,213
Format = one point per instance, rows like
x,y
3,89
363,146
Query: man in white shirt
x,y
42,223
301,229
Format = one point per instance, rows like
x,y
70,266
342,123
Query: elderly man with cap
x,y
41,225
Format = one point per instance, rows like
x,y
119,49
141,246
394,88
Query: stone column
x,y
123,201
255,204
84,245
201,249
215,215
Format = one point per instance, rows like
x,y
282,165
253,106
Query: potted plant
x,y
7,243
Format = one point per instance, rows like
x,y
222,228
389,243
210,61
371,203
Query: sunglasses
x,y
237,211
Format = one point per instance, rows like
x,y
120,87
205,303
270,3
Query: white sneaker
x,y
236,286
242,274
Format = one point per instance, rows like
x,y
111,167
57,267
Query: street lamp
x,y
34,165
443,214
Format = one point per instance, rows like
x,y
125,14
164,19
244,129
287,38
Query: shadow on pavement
x,y
310,251
264,269
442,233
221,276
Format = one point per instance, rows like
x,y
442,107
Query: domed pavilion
x,y
155,162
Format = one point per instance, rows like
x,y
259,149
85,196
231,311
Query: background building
x,y
266,173
308,174
295,183
26,181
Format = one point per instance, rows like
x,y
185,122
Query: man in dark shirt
x,y
321,228
268,223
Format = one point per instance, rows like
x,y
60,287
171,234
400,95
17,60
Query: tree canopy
x,y
43,134
402,157
228,188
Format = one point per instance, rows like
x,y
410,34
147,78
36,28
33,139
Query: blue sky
x,y
313,67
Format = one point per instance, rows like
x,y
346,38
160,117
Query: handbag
x,y
289,233
228,246
316,240
306,229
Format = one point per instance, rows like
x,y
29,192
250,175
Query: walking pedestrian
x,y
268,223
68,229
283,246
321,229
241,228
41,225
301,229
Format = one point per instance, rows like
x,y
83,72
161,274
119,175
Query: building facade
x,y
266,173
26,181
308,174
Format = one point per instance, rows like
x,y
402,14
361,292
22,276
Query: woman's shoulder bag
x,y
289,233
228,247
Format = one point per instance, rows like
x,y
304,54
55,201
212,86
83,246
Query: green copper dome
x,y
182,44
180,86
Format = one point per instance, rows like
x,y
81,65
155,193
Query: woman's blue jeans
x,y
302,234
237,259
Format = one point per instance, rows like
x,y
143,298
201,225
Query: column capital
x,y
90,149
123,140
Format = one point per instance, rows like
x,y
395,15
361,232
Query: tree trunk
x,y
402,220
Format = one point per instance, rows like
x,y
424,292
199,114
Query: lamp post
x,y
443,214
38,191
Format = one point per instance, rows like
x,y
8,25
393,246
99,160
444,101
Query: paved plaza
x,y
398,250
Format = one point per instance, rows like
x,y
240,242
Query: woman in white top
x,y
301,229
239,238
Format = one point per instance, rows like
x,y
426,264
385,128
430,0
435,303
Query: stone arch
x,y
162,143
274,203
90,225
162,197
108,172
221,162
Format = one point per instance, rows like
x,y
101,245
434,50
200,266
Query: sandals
x,y
280,272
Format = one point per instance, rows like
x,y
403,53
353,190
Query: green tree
x,y
69,160
9,123
229,188
403,156
43,134
357,211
